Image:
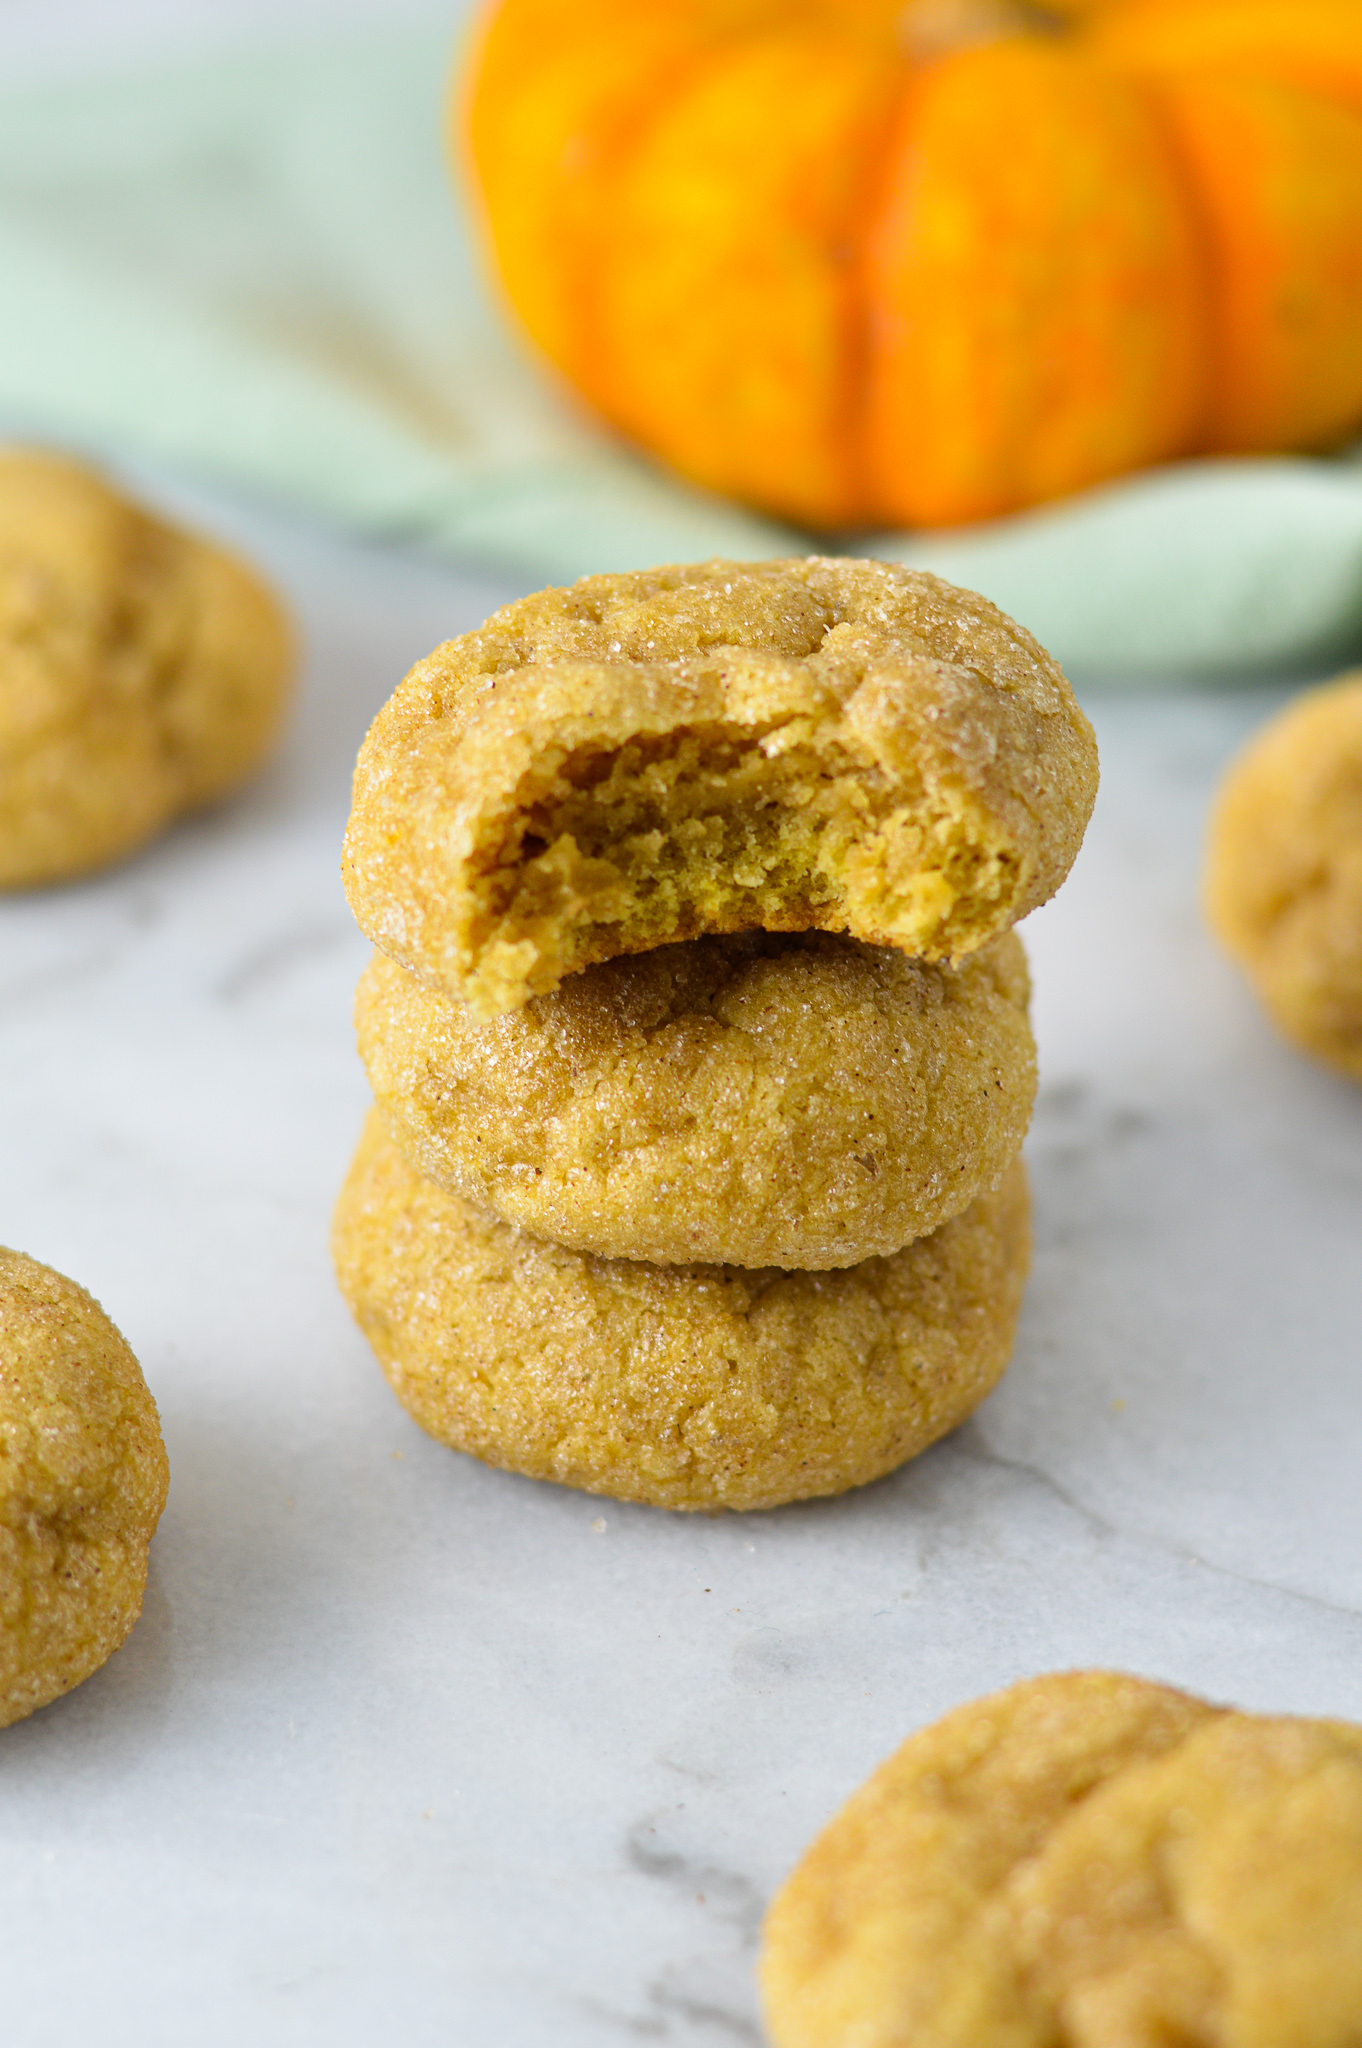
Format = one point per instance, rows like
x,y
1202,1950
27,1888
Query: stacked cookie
x,y
698,1029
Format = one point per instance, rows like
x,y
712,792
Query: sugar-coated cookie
x,y
766,1099
1084,1861
143,672
809,744
683,1386
1284,875
83,1480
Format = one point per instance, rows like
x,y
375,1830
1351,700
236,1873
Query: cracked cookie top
x,y
1284,870
143,672
1083,1861
83,1479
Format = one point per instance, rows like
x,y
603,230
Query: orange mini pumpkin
x,y
861,262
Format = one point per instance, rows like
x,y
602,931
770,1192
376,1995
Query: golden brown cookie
x,y
683,1386
788,746
767,1099
1284,875
83,1480
1084,1861
143,672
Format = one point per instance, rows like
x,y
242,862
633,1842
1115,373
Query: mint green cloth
x,y
257,270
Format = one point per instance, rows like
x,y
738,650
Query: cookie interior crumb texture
x,y
143,672
1084,1861
757,1100
683,1386
1284,872
83,1480
809,744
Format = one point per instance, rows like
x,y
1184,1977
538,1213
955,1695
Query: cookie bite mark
x,y
830,746
672,819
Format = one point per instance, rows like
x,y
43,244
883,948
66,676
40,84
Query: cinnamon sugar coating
x,y
83,1480
682,1386
143,672
1086,1860
1284,871
767,1099
812,744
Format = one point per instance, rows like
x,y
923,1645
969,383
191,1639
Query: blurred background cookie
x,y
83,1480
792,1099
1284,870
682,1386
143,672
725,746
1086,1858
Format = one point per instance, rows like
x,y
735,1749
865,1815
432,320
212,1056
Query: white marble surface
x,y
405,1749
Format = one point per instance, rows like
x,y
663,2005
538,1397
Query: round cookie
x,y
1284,874
801,745
143,672
1086,1859
767,1099
683,1386
83,1480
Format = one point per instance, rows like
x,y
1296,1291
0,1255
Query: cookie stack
x,y
698,1029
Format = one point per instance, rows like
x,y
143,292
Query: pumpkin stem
x,y
933,28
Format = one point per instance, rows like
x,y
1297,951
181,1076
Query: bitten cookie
x,y
683,1386
143,672
83,1479
788,746
1085,1859
1284,875
759,1100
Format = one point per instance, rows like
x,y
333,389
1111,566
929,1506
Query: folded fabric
x,y
258,270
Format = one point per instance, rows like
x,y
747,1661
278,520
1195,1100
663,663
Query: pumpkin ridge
x,y
1197,439
1315,45
805,335
627,139
855,404
1063,359
786,302
1259,305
